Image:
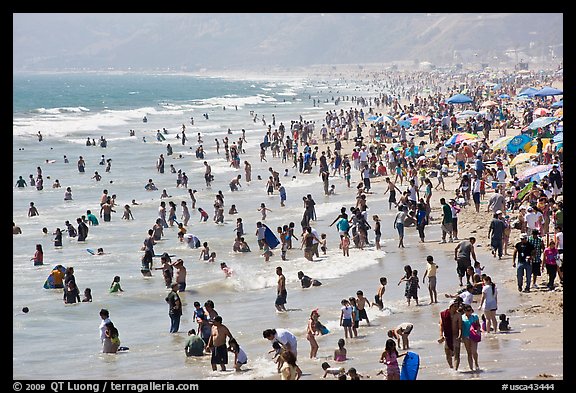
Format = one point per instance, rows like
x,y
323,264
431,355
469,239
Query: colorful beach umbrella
x,y
417,118
532,146
502,142
521,158
384,119
541,122
460,137
459,99
529,172
404,123
541,112
559,112
517,143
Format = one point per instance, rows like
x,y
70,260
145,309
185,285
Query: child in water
x,y
240,357
390,358
87,295
263,209
266,251
345,245
323,243
340,352
115,286
227,271
203,215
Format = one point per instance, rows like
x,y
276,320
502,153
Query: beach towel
x,y
447,326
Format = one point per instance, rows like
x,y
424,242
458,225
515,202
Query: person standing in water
x,y
282,294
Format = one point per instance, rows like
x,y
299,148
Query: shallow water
x,y
70,334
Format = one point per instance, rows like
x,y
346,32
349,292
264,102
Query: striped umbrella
x,y
460,137
520,158
502,142
529,172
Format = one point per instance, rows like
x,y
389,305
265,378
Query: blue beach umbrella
x,y
517,143
372,117
405,123
528,92
503,96
459,99
541,122
558,104
548,91
384,118
558,137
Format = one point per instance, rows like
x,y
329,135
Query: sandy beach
x,y
246,301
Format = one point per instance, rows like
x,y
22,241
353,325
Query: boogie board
x,y
410,366
271,239
50,283
324,330
160,137
91,251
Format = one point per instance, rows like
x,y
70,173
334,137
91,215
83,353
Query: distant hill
x,y
234,41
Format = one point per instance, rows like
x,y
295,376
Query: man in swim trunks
x,y
282,294
217,341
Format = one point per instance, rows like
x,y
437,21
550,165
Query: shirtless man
x,y
450,334
392,188
217,344
106,210
208,174
281,291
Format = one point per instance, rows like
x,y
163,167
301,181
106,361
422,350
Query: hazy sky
x,y
231,40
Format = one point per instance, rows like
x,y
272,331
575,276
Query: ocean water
x,y
68,108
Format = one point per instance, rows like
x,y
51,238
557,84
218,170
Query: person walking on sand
x,y
450,334
217,344
524,251
463,253
446,221
281,292
496,234
431,269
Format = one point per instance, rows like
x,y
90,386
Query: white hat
x,y
498,211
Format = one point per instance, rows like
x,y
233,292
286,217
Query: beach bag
x,y
475,334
